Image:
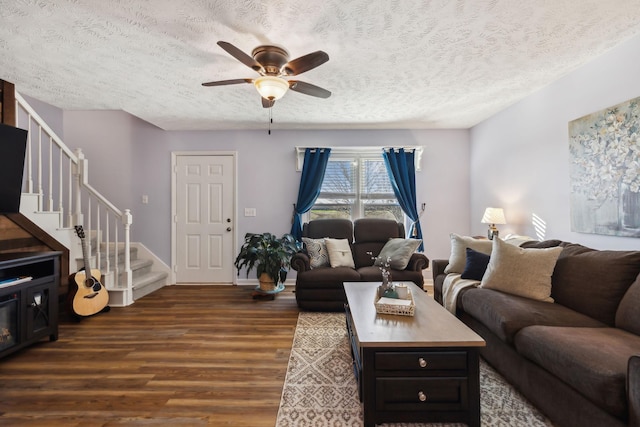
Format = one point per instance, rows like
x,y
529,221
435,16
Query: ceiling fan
x,y
273,65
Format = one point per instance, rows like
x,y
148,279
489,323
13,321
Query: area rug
x,y
320,389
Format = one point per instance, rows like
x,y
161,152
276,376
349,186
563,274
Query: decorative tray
x,y
398,306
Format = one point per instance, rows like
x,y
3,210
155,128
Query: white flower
x,y
385,264
605,155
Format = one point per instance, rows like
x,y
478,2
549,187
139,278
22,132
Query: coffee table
x,y
421,368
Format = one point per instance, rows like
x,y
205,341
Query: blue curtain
x,y
315,164
402,173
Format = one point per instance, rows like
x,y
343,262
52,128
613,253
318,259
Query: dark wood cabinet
x,y
422,368
28,299
421,384
413,381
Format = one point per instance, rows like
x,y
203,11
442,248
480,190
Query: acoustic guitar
x,y
89,295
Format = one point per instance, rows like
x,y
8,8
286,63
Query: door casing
x,y
174,181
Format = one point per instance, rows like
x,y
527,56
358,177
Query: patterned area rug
x,y
320,388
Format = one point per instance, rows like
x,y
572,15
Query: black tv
x,y
13,146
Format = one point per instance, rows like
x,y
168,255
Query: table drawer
x,y
421,394
421,361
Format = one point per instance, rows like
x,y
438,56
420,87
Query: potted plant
x,y
270,255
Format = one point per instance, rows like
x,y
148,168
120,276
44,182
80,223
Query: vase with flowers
x,y
386,288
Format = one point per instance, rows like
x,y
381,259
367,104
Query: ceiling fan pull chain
x,y
270,119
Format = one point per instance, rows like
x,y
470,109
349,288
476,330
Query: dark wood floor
x,y
182,356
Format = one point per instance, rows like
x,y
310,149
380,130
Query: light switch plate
x,y
249,211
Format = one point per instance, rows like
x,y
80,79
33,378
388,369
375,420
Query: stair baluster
x,y
75,201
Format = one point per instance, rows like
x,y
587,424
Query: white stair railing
x,y
59,177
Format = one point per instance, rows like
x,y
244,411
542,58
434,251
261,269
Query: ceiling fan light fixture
x,y
271,87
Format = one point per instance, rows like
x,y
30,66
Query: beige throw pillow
x,y
339,253
518,271
459,245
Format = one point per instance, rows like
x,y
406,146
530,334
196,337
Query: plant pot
x,y
266,282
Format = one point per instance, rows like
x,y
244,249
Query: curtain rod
x,y
417,149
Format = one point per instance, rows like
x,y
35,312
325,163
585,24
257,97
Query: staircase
x,y
145,274
56,196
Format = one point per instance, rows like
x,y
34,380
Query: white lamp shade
x,y
493,216
271,87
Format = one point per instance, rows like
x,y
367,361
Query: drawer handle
x,y
422,396
422,362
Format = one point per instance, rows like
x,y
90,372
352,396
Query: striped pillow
x,y
317,250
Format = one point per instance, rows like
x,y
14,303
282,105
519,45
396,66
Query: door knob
x,y
228,228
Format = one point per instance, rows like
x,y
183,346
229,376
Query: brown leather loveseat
x,y
320,288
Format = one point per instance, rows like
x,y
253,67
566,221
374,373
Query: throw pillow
x,y
519,271
399,250
339,253
628,315
593,282
476,265
317,250
459,245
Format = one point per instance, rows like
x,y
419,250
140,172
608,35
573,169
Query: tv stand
x,y
28,299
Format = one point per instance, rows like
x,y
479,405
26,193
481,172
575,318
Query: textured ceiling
x,y
393,63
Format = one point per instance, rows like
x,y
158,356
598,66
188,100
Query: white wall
x,y
129,157
53,116
105,138
520,157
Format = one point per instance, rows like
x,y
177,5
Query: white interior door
x,y
204,197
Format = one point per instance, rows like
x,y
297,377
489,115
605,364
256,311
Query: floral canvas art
x,y
604,150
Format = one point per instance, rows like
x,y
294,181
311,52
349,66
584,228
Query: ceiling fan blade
x,y
308,89
227,82
241,56
268,103
305,63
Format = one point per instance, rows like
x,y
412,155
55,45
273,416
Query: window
x,y
356,186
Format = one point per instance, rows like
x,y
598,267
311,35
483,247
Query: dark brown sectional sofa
x,y
320,289
577,358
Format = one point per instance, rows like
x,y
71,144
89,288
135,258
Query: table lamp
x,y
493,216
